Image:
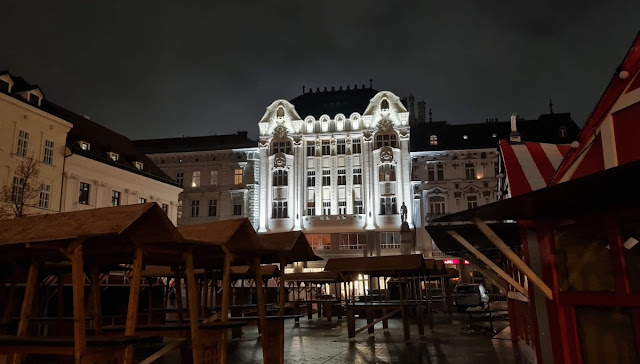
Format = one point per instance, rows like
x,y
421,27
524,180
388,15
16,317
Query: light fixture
x,y
623,75
465,137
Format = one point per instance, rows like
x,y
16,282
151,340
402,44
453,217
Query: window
x,y
311,208
472,201
352,242
342,207
84,193
48,152
433,140
388,206
23,143
279,210
114,156
386,140
282,147
326,207
165,208
142,200
34,99
139,165
326,177
180,178
496,167
384,105
237,209
326,147
237,176
357,207
195,179
17,191
341,147
357,176
238,201
387,173
213,207
280,177
435,172
389,240
195,208
115,198
311,178
45,191
280,113
470,171
319,241
356,146
85,146
4,86
563,132
214,178
440,171
437,205
311,149
342,177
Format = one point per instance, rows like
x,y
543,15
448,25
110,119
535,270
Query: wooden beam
x,y
283,263
385,317
226,286
27,301
488,262
77,277
260,292
134,298
97,304
489,274
192,291
177,282
513,257
171,344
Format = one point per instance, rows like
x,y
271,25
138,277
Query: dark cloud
x,y
156,69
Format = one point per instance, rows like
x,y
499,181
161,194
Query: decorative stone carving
x,y
280,160
280,131
386,154
385,125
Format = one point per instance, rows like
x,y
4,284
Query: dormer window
x,y
34,99
384,105
5,83
4,86
563,132
85,145
114,156
280,113
433,140
139,165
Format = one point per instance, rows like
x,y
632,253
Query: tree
x,y
20,193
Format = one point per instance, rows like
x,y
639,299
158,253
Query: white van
x,y
471,295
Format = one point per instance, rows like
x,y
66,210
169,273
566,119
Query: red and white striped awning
x,y
530,166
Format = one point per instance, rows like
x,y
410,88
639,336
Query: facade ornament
x,y
263,144
404,134
280,131
280,160
367,136
297,141
385,125
386,154
263,128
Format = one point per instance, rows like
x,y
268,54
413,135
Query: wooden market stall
x,y
408,274
320,285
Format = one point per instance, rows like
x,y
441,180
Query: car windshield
x,y
467,289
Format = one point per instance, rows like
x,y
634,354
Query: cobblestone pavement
x,y
318,341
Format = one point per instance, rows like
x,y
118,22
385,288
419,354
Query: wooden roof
x,y
314,277
237,235
389,265
246,272
293,245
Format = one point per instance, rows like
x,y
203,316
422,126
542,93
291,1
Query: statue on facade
x,y
403,212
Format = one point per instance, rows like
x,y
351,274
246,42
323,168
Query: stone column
x,y
404,192
297,172
263,145
368,180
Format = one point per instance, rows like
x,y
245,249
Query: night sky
x,y
152,69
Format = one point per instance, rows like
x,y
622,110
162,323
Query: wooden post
x,y
283,263
77,278
97,304
488,262
134,297
27,305
259,291
513,257
193,308
150,300
178,286
8,309
405,320
60,294
226,286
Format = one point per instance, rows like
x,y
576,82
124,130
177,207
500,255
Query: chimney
x,y
422,112
514,137
411,103
303,89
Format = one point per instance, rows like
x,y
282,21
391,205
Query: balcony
x,y
344,222
387,188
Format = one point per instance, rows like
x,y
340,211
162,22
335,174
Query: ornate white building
x,y
336,165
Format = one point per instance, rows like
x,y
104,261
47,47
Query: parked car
x,y
470,295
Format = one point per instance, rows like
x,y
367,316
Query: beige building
x,y
29,130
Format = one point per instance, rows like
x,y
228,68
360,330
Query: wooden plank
x,y
178,286
283,263
405,320
371,324
192,291
97,304
172,344
77,278
259,291
512,256
27,301
488,262
134,298
226,286
150,300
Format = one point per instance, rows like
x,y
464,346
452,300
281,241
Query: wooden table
x,y
100,349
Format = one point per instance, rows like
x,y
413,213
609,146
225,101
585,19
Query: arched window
x,y
280,113
384,105
433,140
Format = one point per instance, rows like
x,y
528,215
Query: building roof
x,y
545,129
196,144
332,102
530,166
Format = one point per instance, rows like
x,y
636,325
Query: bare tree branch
x,y
22,190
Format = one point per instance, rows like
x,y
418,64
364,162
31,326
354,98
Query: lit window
x,y
114,156
179,210
389,240
563,132
142,200
23,143
48,152
319,241
115,198
195,208
356,146
45,191
352,242
433,140
84,193
180,178
237,176
85,146
139,165
213,181
213,207
279,210
195,179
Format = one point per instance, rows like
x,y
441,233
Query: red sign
x,y
455,262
